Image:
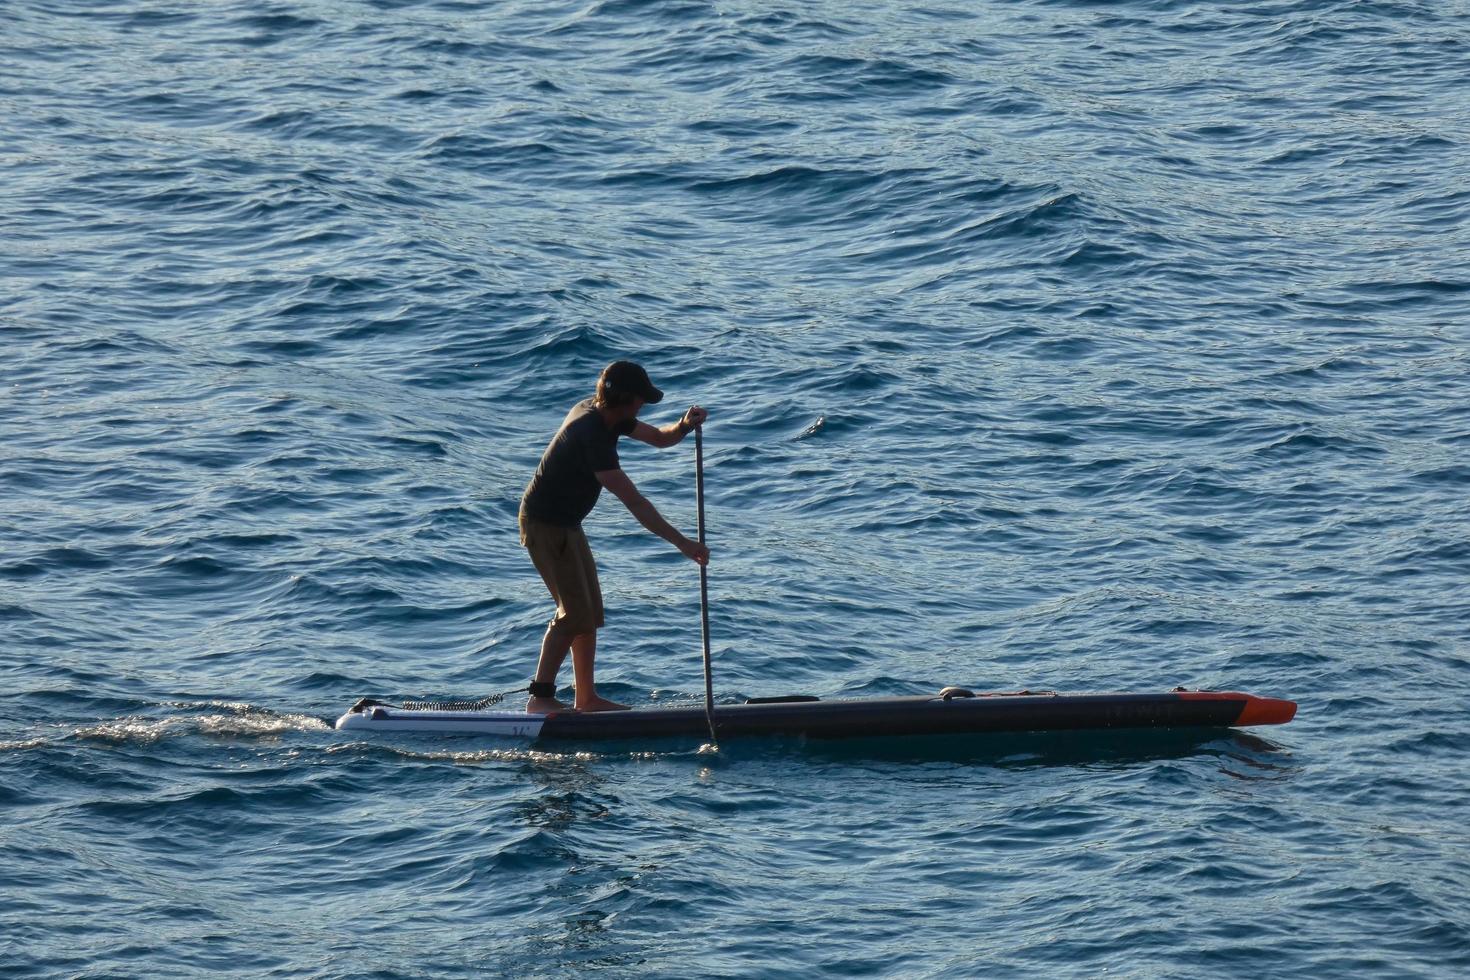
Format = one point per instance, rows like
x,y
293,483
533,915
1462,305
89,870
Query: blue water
x,y
1069,345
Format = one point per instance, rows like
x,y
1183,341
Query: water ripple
x,y
1049,344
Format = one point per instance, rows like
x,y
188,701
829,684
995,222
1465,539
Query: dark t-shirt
x,y
564,490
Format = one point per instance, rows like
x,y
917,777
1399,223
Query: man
x,y
582,459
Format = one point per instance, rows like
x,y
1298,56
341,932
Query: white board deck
x,y
387,718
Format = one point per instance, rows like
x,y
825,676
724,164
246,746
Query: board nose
x,y
1266,711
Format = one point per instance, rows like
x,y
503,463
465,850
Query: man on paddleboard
x,y
582,459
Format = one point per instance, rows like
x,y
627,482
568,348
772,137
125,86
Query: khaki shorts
x,y
564,559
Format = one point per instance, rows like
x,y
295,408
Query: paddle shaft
x,y
709,684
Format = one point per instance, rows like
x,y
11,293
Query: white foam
x,y
243,720
22,744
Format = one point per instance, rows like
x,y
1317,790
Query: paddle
x,y
709,684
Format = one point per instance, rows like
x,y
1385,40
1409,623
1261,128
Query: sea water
x,y
1051,345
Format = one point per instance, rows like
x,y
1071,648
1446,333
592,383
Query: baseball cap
x,y
631,379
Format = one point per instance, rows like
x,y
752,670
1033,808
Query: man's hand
x,y
695,551
694,418
670,435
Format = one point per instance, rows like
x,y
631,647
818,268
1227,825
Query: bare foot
x,y
544,706
600,704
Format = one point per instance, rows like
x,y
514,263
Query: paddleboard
x,y
953,711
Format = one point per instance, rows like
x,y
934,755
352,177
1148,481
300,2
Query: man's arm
x,y
638,505
665,436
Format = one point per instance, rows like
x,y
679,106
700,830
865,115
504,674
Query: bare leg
x,y
584,651
554,646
